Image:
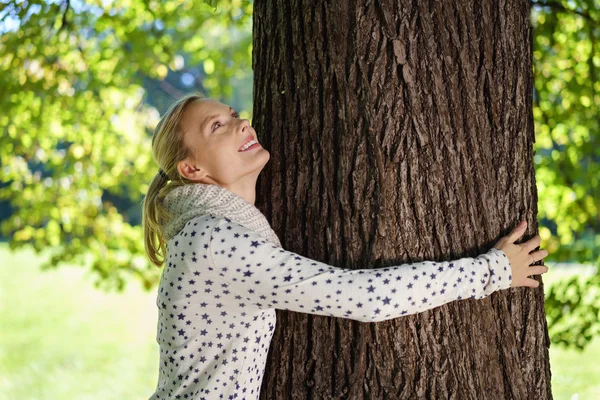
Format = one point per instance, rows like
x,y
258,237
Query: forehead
x,y
197,112
203,107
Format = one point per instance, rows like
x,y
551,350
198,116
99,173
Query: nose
x,y
245,125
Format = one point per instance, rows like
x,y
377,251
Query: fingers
x,y
532,243
531,283
538,255
537,270
517,232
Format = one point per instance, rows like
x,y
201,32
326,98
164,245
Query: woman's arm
x,y
271,277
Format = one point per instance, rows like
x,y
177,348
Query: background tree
x,y
400,131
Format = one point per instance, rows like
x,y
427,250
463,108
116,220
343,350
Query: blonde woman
x,y
225,271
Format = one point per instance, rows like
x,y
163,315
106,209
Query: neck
x,y
245,188
188,201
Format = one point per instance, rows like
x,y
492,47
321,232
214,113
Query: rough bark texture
x,y
400,131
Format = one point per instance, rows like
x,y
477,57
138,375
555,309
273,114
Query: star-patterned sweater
x,y
222,282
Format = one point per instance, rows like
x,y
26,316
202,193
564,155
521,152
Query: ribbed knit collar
x,y
193,200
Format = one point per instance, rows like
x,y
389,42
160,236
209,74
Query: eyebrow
x,y
211,117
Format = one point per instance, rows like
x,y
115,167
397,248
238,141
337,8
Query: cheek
x,y
226,161
197,148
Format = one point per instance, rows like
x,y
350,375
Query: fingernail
x,y
523,223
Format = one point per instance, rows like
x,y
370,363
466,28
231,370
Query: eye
x,y
214,127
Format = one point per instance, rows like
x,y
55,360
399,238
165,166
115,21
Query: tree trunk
x,y
400,131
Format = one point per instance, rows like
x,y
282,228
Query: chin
x,y
265,151
261,160
263,155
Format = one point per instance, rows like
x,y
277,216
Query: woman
x,y
226,273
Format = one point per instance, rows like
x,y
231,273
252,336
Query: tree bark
x,y
400,131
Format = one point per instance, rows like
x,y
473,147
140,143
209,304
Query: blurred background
x,y
82,85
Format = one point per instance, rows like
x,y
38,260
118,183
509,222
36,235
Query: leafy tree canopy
x,y
76,127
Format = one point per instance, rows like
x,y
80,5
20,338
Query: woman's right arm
x,y
270,277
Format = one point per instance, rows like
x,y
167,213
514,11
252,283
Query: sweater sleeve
x,y
270,277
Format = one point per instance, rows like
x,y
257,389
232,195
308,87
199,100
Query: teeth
x,y
250,143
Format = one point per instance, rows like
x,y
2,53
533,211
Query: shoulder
x,y
217,228
201,225
228,234
225,227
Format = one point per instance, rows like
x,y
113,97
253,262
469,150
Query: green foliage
x,y
212,3
566,107
76,126
572,307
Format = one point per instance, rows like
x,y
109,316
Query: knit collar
x,y
196,199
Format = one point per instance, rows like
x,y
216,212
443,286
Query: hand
x,y
520,257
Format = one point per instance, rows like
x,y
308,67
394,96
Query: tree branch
x,y
64,22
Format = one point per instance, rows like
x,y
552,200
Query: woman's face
x,y
217,136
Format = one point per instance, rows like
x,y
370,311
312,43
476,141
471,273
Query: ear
x,y
189,171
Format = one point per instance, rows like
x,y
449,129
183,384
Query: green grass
x,y
575,374
62,339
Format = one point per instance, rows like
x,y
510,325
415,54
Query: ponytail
x,y
153,217
168,149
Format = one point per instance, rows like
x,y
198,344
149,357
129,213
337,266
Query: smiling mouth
x,y
249,144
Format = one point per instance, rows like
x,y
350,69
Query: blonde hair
x,y
168,148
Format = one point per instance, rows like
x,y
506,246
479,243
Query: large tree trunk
x,y
400,131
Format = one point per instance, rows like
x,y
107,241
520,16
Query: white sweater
x,y
222,282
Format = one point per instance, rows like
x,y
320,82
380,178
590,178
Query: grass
x,y
575,373
62,339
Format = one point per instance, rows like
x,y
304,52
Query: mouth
x,y
250,143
